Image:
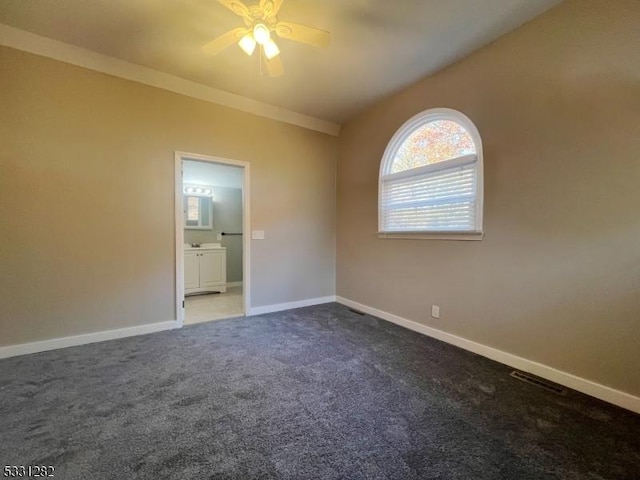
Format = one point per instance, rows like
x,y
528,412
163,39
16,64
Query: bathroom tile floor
x,y
213,306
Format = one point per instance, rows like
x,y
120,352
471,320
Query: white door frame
x,y
179,223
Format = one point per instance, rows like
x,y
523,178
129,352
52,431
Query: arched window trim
x,y
386,165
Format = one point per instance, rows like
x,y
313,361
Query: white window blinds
x,y
193,209
431,183
440,198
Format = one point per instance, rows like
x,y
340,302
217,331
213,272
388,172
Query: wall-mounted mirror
x,y
198,211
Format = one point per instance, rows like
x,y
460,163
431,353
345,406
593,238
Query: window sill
x,y
432,235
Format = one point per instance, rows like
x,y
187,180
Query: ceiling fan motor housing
x,y
258,15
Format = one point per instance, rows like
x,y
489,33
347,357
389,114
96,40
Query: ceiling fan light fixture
x,y
261,33
271,50
260,27
247,44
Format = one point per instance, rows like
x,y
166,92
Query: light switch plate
x,y
257,234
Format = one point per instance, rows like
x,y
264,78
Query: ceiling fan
x,y
260,23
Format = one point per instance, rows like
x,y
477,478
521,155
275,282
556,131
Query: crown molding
x,y
81,57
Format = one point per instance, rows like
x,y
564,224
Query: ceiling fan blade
x,y
236,6
271,7
302,33
223,41
274,66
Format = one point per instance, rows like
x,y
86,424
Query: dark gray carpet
x,y
313,393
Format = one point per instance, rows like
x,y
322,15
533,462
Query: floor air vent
x,y
356,312
552,387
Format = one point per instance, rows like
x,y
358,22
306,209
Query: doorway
x,y
212,247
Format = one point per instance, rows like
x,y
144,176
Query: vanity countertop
x,y
204,246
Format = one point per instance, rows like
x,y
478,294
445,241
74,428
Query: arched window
x,y
431,178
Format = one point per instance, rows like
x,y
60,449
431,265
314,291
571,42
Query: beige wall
x,y
87,192
557,278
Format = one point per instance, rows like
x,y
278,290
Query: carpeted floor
x,y
313,393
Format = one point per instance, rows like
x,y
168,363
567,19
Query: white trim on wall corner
x,y
55,343
288,306
81,57
602,392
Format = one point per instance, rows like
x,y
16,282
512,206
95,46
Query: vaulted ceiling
x,y
378,46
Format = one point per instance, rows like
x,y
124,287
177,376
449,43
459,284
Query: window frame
x,y
386,164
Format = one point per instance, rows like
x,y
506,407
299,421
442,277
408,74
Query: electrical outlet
x,y
435,311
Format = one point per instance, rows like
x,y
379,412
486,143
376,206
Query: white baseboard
x,y
602,392
234,284
288,306
55,343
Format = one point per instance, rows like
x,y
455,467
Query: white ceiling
x,y
378,46
212,174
